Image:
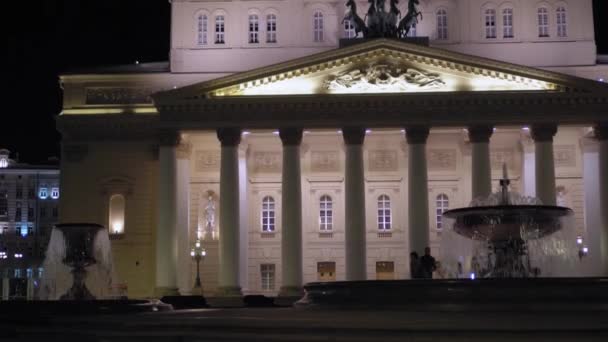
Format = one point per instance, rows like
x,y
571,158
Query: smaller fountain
x,y
81,250
507,232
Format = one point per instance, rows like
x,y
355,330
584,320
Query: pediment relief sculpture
x,y
378,78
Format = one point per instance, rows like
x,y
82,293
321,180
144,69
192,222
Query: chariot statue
x,y
379,23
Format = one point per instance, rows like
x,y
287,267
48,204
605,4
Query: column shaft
x,y
166,239
545,165
182,200
418,192
291,213
228,282
601,133
481,171
354,182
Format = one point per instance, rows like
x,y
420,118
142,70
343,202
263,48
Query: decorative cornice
x,y
118,127
291,136
543,132
353,135
480,133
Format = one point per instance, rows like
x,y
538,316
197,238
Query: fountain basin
x,y
504,222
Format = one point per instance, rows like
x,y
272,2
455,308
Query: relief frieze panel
x,y
325,161
498,157
266,161
383,160
119,95
442,160
564,155
207,161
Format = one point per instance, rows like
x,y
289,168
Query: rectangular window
x,y
507,23
326,271
271,28
561,22
219,29
318,27
18,211
202,30
19,191
55,193
490,23
30,214
442,24
267,276
349,29
43,193
42,212
254,29
55,212
543,22
30,193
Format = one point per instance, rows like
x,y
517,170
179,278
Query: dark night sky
x,y
47,37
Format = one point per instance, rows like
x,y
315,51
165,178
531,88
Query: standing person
x,y
414,266
427,264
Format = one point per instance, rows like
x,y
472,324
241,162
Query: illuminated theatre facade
x,y
294,160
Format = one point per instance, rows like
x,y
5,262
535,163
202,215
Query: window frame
x,y
219,28
267,277
253,31
384,213
490,23
271,28
561,21
441,16
202,29
326,213
508,23
348,29
542,22
268,215
318,26
442,204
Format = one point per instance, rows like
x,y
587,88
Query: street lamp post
x,y
198,253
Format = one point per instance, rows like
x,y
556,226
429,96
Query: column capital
x,y
543,132
480,133
229,136
417,134
600,131
291,136
169,137
353,135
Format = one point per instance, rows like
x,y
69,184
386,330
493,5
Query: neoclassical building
x,y
295,152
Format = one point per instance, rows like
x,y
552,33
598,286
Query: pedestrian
x,y
427,264
414,266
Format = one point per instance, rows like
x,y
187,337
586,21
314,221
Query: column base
x,y
291,291
163,291
228,291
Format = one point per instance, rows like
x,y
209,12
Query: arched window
x,y
442,24
507,23
271,28
543,22
490,16
268,214
562,27
117,214
254,29
384,213
201,35
349,29
442,204
220,29
318,27
326,217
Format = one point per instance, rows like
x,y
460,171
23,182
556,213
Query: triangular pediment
x,y
384,66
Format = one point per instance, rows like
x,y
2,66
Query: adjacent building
x,y
297,156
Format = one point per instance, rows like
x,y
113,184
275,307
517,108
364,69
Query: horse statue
x,y
392,18
410,19
354,18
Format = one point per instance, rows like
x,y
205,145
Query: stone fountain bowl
x,y
505,222
79,239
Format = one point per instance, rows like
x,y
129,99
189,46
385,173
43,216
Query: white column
x,y
354,194
166,243
244,218
544,164
418,191
592,265
291,213
601,133
528,172
481,171
228,284
182,199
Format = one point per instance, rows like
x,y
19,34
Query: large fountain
x,y
506,235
